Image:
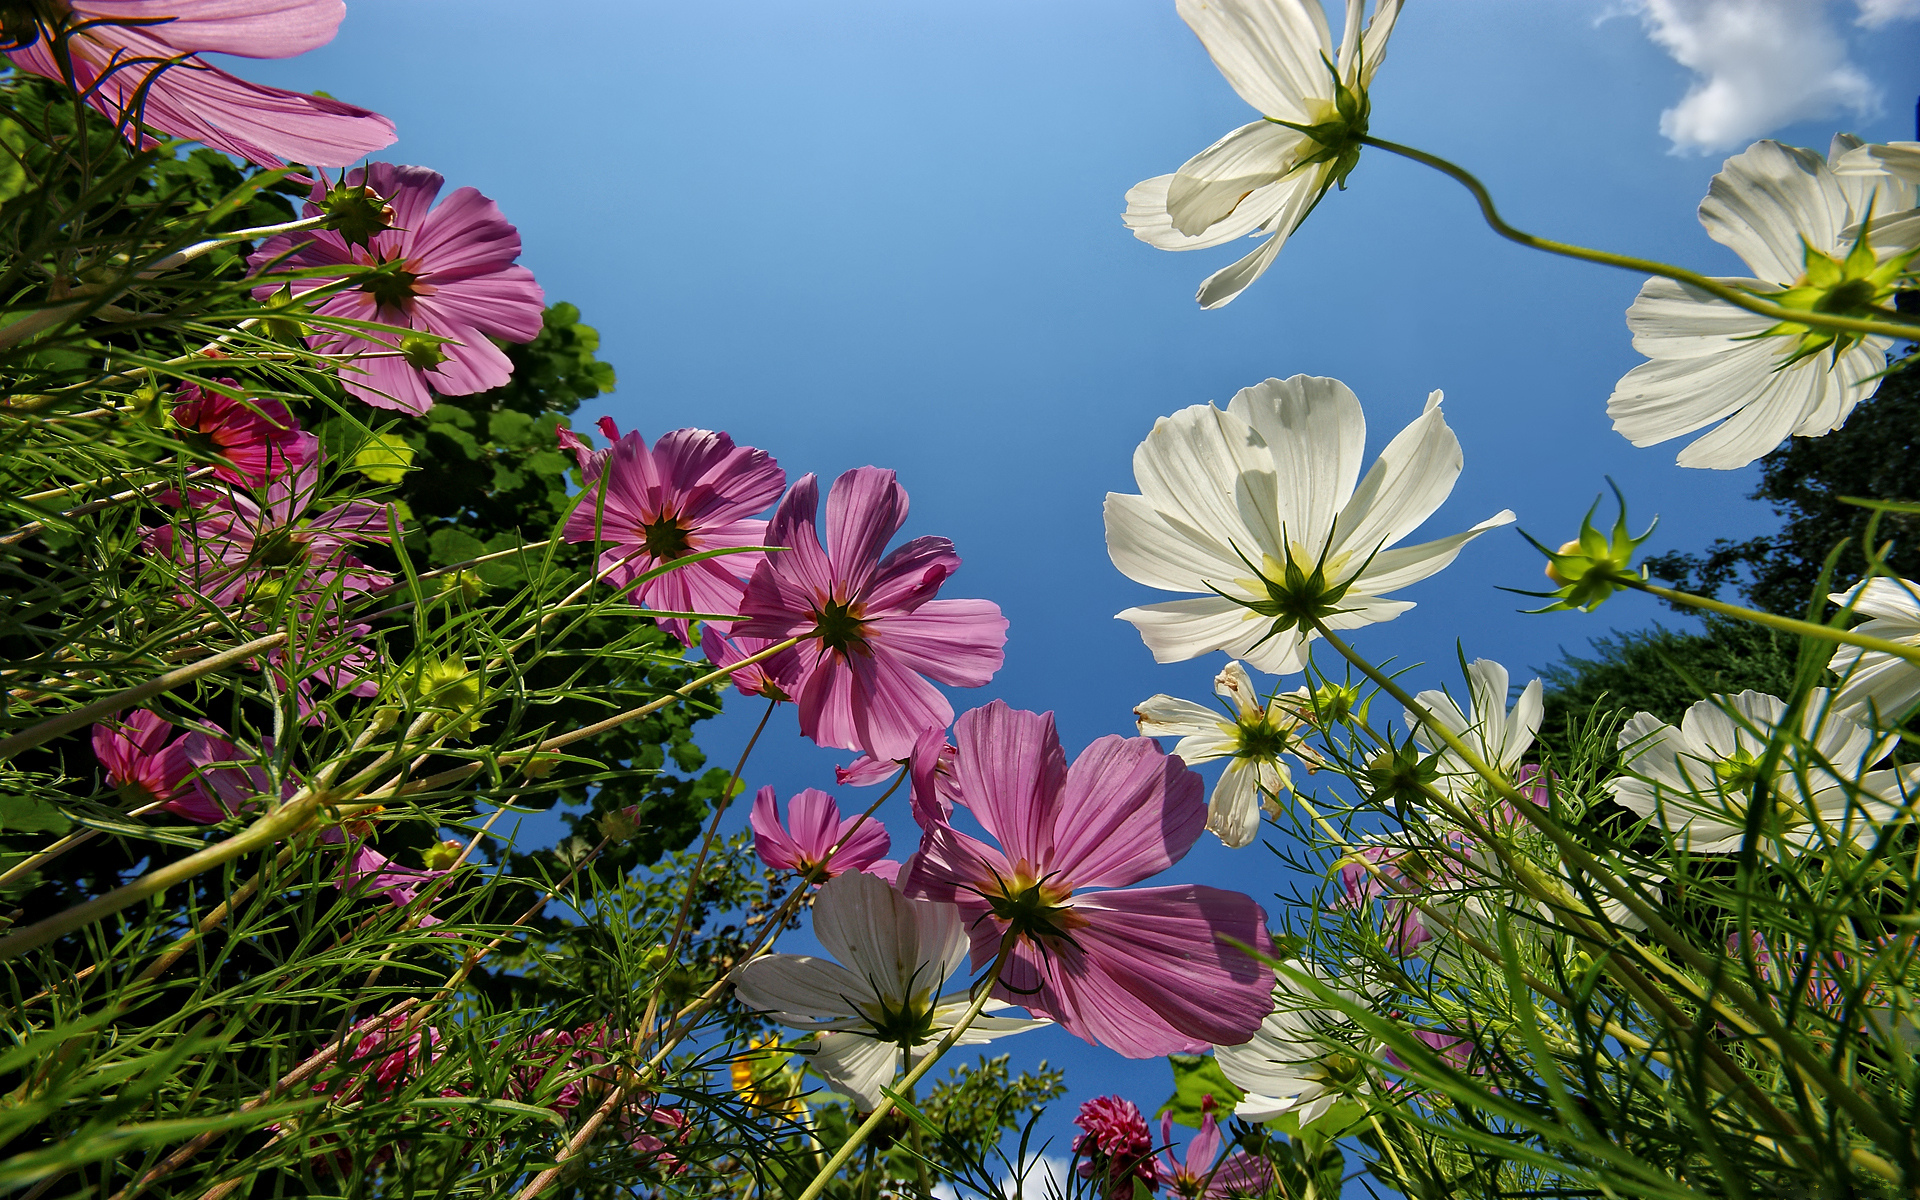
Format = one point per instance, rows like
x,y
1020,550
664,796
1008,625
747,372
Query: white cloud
x,y
1042,1177
1762,64
1875,13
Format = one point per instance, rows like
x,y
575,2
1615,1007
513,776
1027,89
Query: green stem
x,y
1810,629
1862,1111
1891,328
289,818
73,719
880,1112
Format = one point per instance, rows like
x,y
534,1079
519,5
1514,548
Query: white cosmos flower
x,y
1251,736
1303,1060
1873,680
1711,361
1499,736
885,1000
1898,159
1697,782
1230,498
1263,179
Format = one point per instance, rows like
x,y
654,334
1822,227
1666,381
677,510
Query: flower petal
x,y
1127,810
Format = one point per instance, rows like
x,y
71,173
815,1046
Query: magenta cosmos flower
x,y
231,546
150,73
879,630
447,271
183,773
693,491
1144,971
1203,1173
1115,1148
813,828
256,439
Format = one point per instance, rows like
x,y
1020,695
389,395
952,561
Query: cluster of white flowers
x,y
1259,512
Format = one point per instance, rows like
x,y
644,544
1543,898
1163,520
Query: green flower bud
x,y
284,325
422,353
442,855
620,824
1594,565
1401,775
447,687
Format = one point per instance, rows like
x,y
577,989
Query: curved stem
x,y
289,818
985,991
1894,327
700,861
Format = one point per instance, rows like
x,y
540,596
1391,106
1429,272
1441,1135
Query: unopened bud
x,y
442,855
620,824
1594,565
422,354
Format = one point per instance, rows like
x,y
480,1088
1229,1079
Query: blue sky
x,y
871,232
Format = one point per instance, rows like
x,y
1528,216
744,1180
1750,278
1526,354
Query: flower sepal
x,y
356,212
1594,565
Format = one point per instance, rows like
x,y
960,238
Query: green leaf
x,y
383,458
27,814
1195,1077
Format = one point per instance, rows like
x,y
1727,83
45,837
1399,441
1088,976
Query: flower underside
x,y
664,537
1032,908
391,285
841,626
1298,597
909,1025
1857,285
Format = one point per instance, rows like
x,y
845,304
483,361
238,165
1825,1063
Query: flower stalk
x,y
1894,325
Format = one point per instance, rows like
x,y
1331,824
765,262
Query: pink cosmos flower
x,y
152,75
399,885
186,774
1144,971
559,1052
230,545
931,766
880,631
447,271
385,1057
812,829
1116,1148
694,491
772,678
1202,1173
258,439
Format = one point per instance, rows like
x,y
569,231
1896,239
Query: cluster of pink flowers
x,y
446,272
1146,971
